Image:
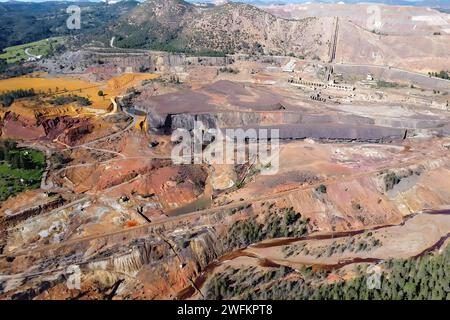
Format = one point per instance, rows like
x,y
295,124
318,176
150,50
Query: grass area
x,y
387,84
20,169
39,48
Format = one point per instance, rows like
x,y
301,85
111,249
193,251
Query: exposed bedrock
x,y
186,121
12,220
293,125
234,119
337,132
55,126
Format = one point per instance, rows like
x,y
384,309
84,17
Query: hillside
x,y
23,22
421,3
230,28
170,25
244,28
413,38
152,24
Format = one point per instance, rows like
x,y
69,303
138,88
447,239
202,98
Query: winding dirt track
x,y
209,211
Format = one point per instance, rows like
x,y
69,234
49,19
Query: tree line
x,y
442,74
7,98
18,158
423,278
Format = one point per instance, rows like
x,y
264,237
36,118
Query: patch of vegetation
x,y
174,79
20,169
38,48
26,22
3,65
286,223
387,84
227,70
423,278
322,188
365,242
62,100
236,282
206,53
442,74
149,81
391,180
7,98
14,70
253,171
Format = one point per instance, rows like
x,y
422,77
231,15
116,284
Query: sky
x,y
252,1
412,2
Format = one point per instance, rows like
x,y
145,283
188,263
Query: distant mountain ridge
x,y
173,25
423,3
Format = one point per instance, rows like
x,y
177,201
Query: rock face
x,y
245,119
55,126
336,132
186,121
245,107
16,126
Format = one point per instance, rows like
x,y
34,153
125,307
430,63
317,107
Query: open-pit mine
x,y
93,206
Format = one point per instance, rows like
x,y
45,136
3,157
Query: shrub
x,y
322,189
62,100
390,180
228,70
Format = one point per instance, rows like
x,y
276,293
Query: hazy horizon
x,y
261,1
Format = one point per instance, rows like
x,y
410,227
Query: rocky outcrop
x,y
55,126
292,125
335,132
75,134
13,219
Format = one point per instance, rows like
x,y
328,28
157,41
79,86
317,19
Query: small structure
x,y
318,97
34,58
289,67
316,84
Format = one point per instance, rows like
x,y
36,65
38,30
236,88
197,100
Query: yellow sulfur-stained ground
x,y
62,86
